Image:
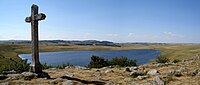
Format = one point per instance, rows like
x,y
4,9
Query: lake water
x,y
82,58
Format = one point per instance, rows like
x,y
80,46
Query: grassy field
x,y
9,53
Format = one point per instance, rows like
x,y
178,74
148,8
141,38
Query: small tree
x,y
162,59
97,62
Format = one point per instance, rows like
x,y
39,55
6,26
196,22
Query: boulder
x,y
14,76
191,73
160,64
2,77
133,68
69,75
169,72
97,74
198,74
68,82
157,81
110,67
109,71
152,72
142,77
128,79
29,75
135,74
127,69
182,69
82,68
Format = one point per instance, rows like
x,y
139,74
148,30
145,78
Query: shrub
x,y
162,59
97,62
19,67
122,61
46,66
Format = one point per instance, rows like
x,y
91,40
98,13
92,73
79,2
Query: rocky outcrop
x,y
14,76
152,72
109,71
158,81
135,74
29,75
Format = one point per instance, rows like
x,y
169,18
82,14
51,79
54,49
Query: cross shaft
x,y
33,19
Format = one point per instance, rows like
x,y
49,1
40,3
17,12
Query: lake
x,y
82,58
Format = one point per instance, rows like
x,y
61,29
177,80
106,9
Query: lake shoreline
x,y
86,54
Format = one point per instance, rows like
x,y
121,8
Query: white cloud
x,y
172,35
130,34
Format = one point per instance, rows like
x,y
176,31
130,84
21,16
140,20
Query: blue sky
x,y
170,21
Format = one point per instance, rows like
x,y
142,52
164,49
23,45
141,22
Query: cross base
x,y
36,68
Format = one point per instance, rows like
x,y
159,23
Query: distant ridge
x,y
63,42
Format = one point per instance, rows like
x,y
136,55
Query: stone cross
x,y
35,66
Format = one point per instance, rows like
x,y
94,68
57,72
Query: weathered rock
x,y
109,71
104,68
133,68
142,77
134,74
15,76
110,67
9,72
110,83
68,82
2,77
153,72
169,72
182,69
82,68
127,69
97,74
29,75
191,73
55,81
69,75
67,67
157,81
160,64
5,83
198,74
128,79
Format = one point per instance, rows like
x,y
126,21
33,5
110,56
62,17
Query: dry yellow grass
x,y
172,51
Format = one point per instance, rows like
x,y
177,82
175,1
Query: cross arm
x,y
28,19
37,17
40,16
